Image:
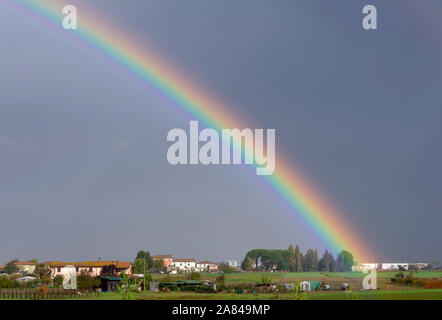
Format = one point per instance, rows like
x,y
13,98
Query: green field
x,y
255,277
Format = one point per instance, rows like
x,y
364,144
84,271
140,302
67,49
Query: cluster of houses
x,y
174,265
116,268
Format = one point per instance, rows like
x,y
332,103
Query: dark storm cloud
x,y
83,151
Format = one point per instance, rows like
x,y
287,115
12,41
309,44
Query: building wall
x,y
206,267
92,271
394,266
167,262
184,266
29,268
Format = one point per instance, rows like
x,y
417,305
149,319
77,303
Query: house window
x,y
90,269
77,269
58,269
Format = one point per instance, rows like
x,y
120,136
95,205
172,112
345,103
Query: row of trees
x,y
144,260
294,260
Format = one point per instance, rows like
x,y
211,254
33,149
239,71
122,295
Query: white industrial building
x,y
386,266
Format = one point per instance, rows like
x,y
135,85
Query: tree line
x,y
294,260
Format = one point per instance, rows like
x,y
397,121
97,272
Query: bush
x,y
173,287
221,279
87,282
200,289
8,283
433,284
30,284
266,280
58,281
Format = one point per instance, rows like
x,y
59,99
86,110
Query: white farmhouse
x,y
206,266
184,265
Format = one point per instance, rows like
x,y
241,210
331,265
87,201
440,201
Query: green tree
x,y
138,266
247,264
310,262
327,263
292,258
143,255
345,261
43,272
298,256
58,281
11,267
265,259
324,263
158,265
86,282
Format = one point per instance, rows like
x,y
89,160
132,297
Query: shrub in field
x,y
173,287
221,279
223,287
200,289
298,294
30,284
266,280
8,283
127,288
433,284
351,294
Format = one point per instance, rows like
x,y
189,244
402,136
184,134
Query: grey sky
x,y
83,168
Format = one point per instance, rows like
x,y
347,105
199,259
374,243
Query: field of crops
x,y
405,294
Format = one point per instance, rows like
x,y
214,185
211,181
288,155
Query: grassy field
x,y
255,277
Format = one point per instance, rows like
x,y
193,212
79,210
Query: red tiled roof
x,y
22,263
89,264
184,260
162,256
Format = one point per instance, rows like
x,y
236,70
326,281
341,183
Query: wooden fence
x,y
37,294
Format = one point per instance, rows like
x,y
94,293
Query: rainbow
x,y
150,69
